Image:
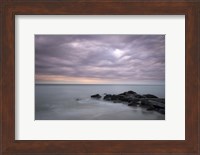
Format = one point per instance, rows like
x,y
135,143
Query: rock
x,y
123,94
131,92
149,96
148,101
114,97
136,100
162,111
96,96
107,97
122,97
161,100
144,101
118,98
139,96
150,108
156,104
133,103
128,93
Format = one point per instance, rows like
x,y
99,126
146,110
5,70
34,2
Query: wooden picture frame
x,y
10,8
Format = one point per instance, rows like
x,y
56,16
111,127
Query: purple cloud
x,y
106,58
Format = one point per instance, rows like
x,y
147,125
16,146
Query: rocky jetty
x,y
148,101
96,96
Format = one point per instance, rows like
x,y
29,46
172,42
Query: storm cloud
x,y
99,59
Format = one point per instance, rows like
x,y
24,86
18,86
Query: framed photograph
x,y
92,77
99,77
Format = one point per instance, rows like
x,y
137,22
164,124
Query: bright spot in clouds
x,y
117,53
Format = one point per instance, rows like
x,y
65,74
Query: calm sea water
x,y
73,102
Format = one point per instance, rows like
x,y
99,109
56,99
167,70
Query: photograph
x,y
99,76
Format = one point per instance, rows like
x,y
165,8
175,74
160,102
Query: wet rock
x,y
150,108
149,96
130,92
114,97
96,96
144,102
108,97
161,100
133,103
136,100
162,111
125,98
156,104
122,97
139,96
148,101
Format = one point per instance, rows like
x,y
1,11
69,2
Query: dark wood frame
x,y
10,8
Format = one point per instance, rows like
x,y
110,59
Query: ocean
x,y
73,102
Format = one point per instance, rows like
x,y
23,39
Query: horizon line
x,y
92,84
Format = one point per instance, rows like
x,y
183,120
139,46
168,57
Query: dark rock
x,y
161,100
133,103
148,101
139,96
144,101
149,96
122,97
156,104
162,111
131,92
114,97
136,100
128,93
123,94
150,108
108,97
129,99
96,96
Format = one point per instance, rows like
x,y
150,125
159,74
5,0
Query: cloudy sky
x,y
100,59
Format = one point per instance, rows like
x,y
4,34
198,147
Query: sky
x,y
100,59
